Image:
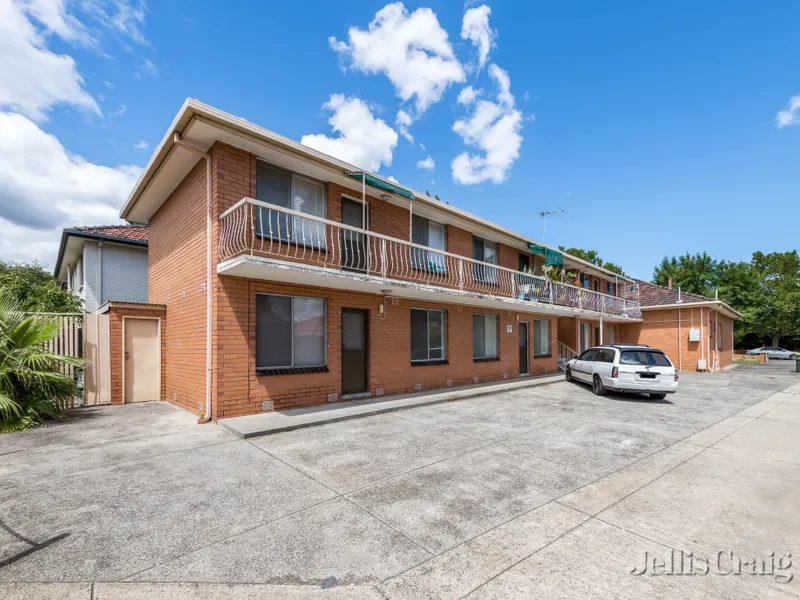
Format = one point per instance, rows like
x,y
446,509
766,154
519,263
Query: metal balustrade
x,y
256,228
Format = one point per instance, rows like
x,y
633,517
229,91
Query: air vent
x,y
379,391
267,405
417,387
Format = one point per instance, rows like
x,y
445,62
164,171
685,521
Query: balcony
x,y
299,248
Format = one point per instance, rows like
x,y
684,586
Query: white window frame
x,y
428,311
497,336
324,332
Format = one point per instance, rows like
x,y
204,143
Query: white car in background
x,y
773,352
625,368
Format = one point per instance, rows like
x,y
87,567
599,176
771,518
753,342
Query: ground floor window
x,y
541,337
290,332
484,336
428,335
719,336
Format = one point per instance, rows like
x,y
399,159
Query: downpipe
x,y
178,141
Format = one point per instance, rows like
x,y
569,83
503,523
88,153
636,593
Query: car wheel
x,y
658,396
568,376
597,386
792,357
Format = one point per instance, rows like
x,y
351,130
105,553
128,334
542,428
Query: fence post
x,y
460,274
383,257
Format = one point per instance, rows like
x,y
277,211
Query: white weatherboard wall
x,y
113,272
124,274
91,271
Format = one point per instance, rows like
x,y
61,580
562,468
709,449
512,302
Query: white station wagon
x,y
625,368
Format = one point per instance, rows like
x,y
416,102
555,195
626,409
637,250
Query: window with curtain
x,y
584,280
484,251
541,337
289,190
428,335
484,336
610,289
290,332
719,336
433,235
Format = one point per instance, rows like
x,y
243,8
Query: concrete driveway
x,y
544,492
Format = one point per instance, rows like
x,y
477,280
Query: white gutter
x,y
209,272
710,303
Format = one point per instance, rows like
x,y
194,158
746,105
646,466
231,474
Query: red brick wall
x,y
117,337
389,361
660,330
176,268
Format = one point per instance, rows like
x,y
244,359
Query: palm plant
x,y
31,384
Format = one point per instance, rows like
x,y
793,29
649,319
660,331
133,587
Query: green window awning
x,y
552,258
381,184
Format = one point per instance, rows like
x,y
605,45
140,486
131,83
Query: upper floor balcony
x,y
266,241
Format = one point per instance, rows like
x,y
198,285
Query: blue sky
x,y
655,125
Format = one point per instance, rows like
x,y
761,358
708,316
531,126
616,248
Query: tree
x,y
591,256
777,312
696,274
31,384
35,289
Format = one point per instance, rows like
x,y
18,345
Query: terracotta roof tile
x,y
136,233
651,294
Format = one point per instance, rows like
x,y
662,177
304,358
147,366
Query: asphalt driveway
x,y
539,492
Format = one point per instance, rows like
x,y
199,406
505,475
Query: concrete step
x,y
277,421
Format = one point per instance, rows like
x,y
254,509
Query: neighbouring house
x,y
696,332
104,263
291,278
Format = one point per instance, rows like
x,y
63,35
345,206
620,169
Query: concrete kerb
x,y
275,422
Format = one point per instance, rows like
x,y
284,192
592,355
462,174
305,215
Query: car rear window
x,y
643,357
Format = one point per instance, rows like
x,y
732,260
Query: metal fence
x,y
261,229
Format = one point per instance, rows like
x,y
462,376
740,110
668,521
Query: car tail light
x,y
676,375
614,372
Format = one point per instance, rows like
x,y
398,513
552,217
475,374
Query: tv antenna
x,y
551,211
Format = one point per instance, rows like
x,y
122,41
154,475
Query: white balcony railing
x,y
252,227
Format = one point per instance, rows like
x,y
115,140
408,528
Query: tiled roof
x,y
137,233
651,294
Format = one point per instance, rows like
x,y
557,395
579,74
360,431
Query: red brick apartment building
x,y
291,278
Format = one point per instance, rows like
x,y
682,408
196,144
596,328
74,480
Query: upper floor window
x,y
295,192
585,280
611,289
484,251
431,235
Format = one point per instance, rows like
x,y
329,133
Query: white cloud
x,y
53,16
393,179
468,95
146,69
412,50
44,188
363,140
141,145
125,17
475,28
791,114
494,129
42,185
404,121
32,78
119,112
428,164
